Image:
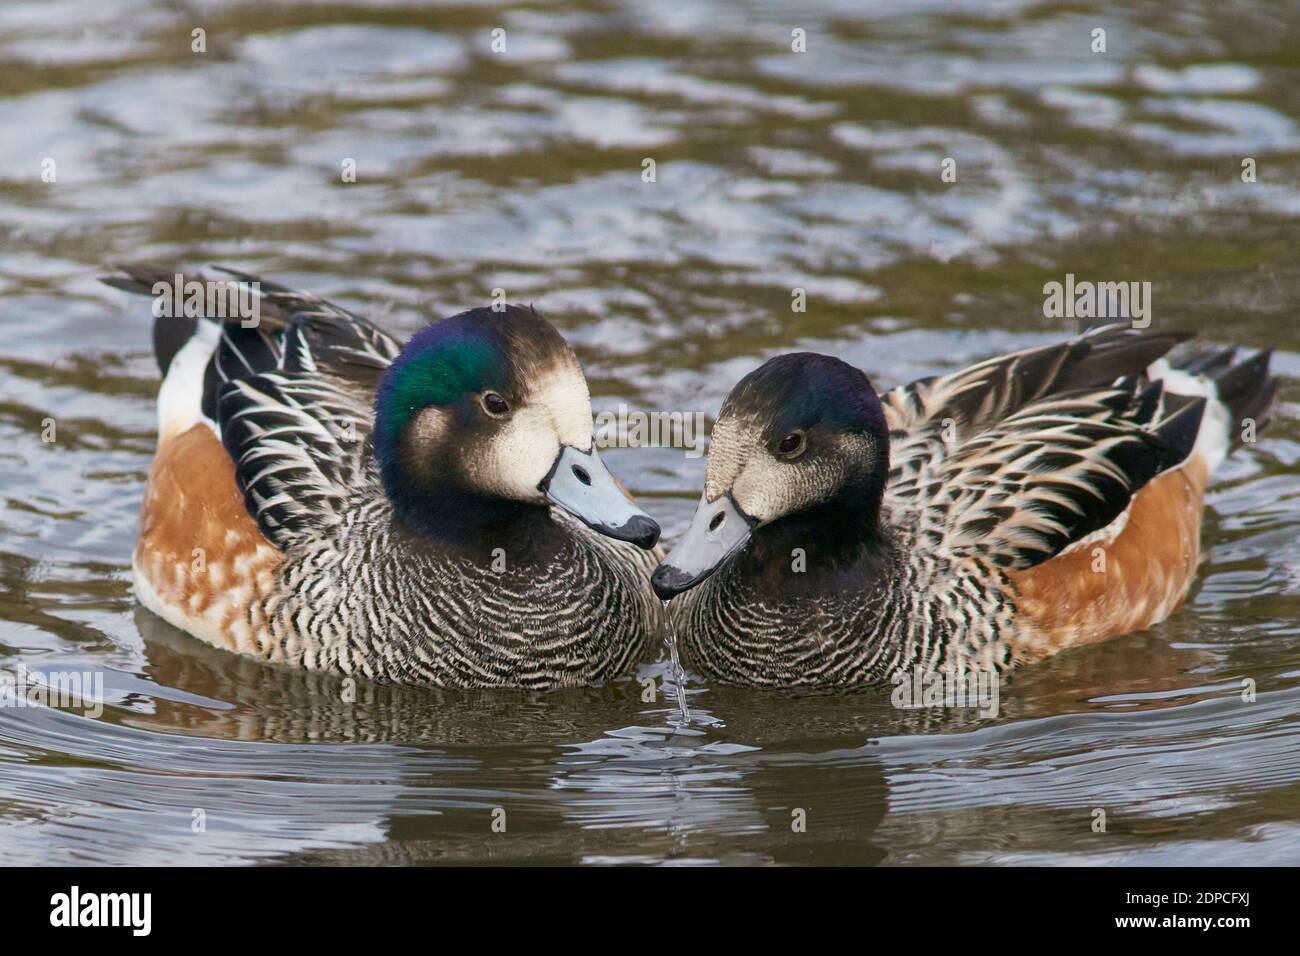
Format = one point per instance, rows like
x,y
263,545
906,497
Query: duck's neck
x,y
826,548
481,528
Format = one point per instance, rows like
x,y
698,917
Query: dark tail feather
x,y
142,279
1248,391
1108,352
1209,363
170,333
1147,403
1178,431
170,336
1245,387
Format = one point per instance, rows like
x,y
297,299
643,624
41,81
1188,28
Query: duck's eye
x,y
792,445
495,405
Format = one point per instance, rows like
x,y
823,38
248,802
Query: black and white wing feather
x,y
301,447
291,395
1021,492
299,426
930,417
1016,458
317,334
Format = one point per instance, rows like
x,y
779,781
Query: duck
x,y
433,512
967,522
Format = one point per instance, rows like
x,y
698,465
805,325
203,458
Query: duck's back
x,y
1054,497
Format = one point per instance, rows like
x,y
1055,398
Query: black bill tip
x,y
641,530
669,581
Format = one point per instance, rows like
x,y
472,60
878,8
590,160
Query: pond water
x,y
522,170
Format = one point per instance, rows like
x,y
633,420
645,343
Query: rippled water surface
x,y
523,171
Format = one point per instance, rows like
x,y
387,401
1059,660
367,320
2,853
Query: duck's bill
x,y
580,483
718,530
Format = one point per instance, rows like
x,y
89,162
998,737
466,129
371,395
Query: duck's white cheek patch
x,y
562,395
517,458
762,487
767,489
729,447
